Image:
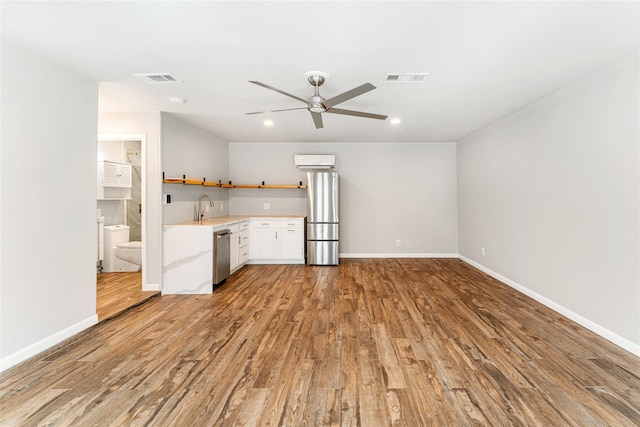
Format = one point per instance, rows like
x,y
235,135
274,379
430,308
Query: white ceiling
x,y
484,59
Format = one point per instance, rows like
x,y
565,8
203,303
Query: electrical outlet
x,y
266,206
398,242
221,206
482,250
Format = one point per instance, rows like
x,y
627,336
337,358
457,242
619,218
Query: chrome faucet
x,y
200,210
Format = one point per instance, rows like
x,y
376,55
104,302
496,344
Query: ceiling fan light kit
x,y
316,104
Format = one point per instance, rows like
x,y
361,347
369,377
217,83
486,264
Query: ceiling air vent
x,y
154,78
405,77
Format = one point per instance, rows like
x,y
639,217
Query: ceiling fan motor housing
x,y
316,78
315,104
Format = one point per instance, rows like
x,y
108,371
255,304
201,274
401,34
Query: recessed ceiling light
x,y
177,100
268,123
395,121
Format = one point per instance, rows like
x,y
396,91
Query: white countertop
x,y
228,220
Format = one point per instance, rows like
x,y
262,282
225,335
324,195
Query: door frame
x,y
143,187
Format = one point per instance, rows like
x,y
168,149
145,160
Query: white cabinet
x,y
116,174
114,180
239,249
291,239
234,246
277,241
264,239
244,248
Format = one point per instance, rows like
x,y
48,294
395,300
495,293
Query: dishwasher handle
x,y
222,233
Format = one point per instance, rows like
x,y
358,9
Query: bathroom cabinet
x,y
114,180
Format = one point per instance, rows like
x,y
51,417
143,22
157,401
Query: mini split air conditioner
x,y
314,161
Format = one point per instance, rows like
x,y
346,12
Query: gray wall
x,y
187,150
48,235
389,192
552,195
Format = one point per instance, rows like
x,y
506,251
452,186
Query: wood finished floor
x,y
413,342
118,292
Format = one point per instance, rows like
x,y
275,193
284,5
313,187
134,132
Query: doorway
x,y
121,281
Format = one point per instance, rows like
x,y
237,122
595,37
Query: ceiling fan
x,y
317,105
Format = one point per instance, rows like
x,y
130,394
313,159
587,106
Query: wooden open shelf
x,y
191,181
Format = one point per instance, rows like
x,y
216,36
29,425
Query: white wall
x,y
48,231
388,191
192,152
147,124
552,194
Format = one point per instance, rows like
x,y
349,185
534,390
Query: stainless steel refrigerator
x,y
322,218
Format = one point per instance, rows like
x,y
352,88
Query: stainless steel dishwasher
x,y
221,263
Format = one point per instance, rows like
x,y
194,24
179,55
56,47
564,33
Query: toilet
x,y
119,253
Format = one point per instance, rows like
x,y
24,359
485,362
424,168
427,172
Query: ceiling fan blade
x,y
317,119
348,95
356,113
276,111
277,90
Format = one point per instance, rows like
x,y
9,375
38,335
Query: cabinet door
x,y
114,181
243,254
116,175
234,249
109,174
291,243
124,176
244,239
264,242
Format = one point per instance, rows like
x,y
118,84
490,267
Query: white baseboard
x,y
276,261
46,343
400,255
592,326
